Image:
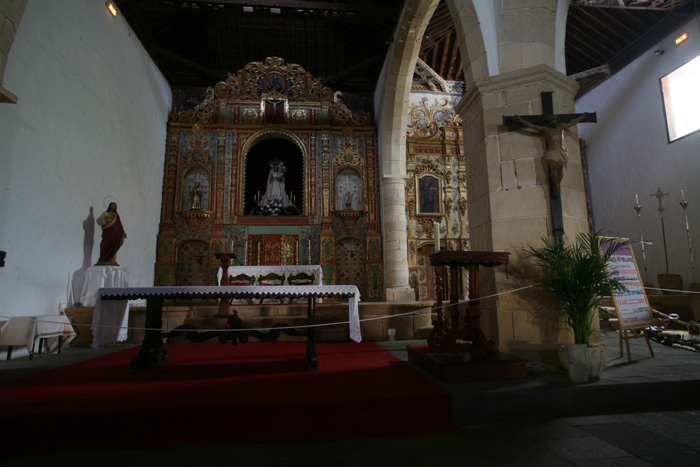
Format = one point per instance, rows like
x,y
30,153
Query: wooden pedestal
x,y
462,367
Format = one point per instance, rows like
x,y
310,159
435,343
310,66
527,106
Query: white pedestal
x,y
110,318
97,277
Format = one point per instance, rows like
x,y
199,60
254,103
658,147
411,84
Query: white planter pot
x,y
583,362
576,358
599,360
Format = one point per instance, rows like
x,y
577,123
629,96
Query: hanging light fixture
x,y
111,7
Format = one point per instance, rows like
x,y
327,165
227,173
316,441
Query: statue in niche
x,y
348,190
196,197
195,190
275,198
113,236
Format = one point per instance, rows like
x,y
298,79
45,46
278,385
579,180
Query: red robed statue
x,y
113,236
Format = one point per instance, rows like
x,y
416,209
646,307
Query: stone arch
x,y
394,116
255,172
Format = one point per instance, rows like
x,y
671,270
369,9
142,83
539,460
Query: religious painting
x,y
428,191
274,82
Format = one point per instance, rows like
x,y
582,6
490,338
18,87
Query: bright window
x,y
681,95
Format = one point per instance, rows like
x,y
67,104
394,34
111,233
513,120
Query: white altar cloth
x,y
110,321
278,291
258,271
51,327
97,277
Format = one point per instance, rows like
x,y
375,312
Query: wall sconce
x,y
112,9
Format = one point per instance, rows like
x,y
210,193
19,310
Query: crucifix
x,y
555,156
274,110
660,194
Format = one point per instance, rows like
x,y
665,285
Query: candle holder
x,y
638,208
684,205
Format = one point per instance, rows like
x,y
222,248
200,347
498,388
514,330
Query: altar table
x,y
152,351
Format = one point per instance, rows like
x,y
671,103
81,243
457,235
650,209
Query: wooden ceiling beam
x,y
157,50
220,6
353,69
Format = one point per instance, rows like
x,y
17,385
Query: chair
x,y
271,279
242,280
300,278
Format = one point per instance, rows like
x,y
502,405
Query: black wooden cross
x,y
552,126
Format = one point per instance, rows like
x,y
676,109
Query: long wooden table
x,y
153,352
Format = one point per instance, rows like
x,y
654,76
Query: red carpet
x,y
213,393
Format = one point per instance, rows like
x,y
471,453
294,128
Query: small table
x,y
52,331
443,337
152,351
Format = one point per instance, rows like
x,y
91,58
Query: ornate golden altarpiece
x,y
436,190
222,145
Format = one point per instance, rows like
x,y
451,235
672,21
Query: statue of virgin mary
x,y
275,184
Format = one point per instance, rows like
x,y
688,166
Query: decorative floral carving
x,y
204,111
426,118
462,206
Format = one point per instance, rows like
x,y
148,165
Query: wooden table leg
x,y
311,358
439,325
472,330
152,351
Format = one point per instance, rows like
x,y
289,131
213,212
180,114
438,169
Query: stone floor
x,y
640,413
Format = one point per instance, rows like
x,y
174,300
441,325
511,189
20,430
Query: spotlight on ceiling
x,y
681,38
112,9
658,52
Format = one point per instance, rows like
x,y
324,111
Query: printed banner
x,y
632,307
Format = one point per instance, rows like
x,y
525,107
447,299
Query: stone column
x,y
395,240
509,204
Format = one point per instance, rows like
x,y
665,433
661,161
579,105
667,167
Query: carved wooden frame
x,y
421,208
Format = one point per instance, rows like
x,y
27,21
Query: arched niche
x,y
195,178
262,150
348,190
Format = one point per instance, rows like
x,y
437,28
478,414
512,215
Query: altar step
x,y
409,320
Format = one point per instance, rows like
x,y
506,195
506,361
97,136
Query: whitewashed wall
x,y
90,123
628,154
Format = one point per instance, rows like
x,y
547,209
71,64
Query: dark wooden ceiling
x,y
196,43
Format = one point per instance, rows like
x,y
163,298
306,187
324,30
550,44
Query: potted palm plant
x,y
577,275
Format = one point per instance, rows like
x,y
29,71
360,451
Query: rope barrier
x,y
280,328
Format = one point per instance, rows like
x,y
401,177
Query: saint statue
x,y
555,155
196,197
113,236
275,185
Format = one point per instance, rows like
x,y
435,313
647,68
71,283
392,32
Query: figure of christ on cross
x,y
555,157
